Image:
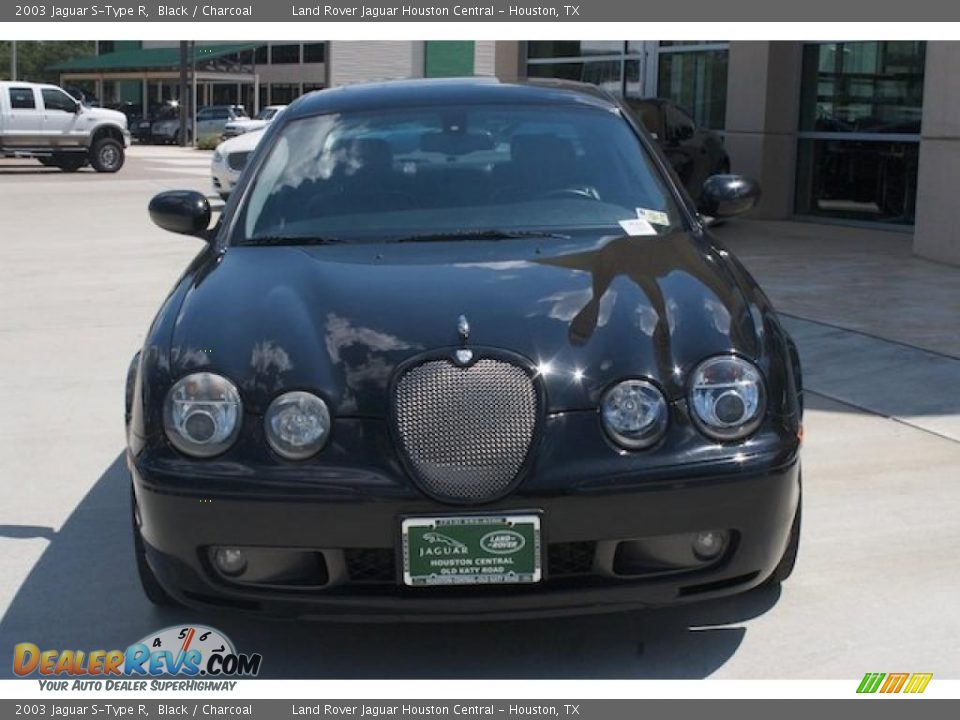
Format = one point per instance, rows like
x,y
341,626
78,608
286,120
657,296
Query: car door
x,y
61,121
204,118
218,120
23,121
684,149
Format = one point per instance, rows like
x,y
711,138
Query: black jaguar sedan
x,y
461,349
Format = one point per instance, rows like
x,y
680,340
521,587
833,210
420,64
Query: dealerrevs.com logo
x,y
180,651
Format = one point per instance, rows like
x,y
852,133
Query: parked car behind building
x,y
210,121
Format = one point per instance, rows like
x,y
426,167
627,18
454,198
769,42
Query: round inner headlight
x,y
202,414
727,396
634,414
297,424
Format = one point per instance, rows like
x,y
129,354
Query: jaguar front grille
x,y
466,431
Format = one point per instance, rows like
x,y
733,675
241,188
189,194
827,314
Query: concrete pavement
x,y
82,272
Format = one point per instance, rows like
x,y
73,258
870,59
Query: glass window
x,y
22,99
260,55
58,100
310,87
283,94
284,54
858,180
314,52
605,73
862,87
572,48
439,170
697,81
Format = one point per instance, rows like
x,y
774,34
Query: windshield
x,y
464,171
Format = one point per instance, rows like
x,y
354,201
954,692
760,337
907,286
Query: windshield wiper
x,y
292,240
488,234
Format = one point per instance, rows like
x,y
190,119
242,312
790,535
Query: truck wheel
x,y
69,163
106,155
47,162
151,586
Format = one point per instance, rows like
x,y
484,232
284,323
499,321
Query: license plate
x,y
471,550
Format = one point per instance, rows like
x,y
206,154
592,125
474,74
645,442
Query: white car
x,y
230,158
245,125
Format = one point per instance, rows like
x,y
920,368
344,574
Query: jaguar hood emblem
x,y
463,355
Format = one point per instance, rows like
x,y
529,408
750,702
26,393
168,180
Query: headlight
x,y
297,424
727,396
202,414
217,157
634,414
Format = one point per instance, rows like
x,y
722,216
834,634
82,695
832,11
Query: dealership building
x,y
863,133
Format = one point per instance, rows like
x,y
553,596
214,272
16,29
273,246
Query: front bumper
x,y
358,537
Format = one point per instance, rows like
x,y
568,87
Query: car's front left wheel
x,y
151,586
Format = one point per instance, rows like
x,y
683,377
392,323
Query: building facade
x,y
864,132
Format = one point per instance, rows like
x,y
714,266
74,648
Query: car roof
x,y
448,91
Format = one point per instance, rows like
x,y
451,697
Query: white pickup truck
x,y
46,123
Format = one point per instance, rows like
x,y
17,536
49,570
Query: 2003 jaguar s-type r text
x,y
461,349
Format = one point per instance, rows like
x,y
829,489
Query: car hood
x,y
339,319
241,143
247,124
105,115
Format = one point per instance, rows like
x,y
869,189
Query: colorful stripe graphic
x,y
894,682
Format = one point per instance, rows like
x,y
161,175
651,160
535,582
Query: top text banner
x,y
58,11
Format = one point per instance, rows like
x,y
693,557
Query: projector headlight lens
x,y
297,424
727,397
634,414
202,414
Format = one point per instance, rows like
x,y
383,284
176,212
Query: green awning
x,y
163,58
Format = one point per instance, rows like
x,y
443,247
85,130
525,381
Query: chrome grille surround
x,y
465,431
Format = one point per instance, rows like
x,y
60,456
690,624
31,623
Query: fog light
x,y
709,544
230,561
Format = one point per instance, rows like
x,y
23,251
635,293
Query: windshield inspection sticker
x,y
637,226
656,217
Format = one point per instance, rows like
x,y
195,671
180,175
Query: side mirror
x,y
186,212
728,195
78,108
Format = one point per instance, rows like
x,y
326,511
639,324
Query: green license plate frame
x,y
481,549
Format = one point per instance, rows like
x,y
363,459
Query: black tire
x,y
785,567
47,161
148,581
69,163
106,155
